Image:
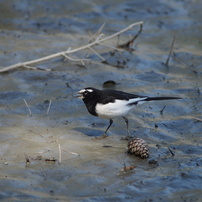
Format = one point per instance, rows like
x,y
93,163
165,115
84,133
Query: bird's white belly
x,y
112,110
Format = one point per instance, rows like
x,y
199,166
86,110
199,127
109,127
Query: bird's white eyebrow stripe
x,y
84,90
89,90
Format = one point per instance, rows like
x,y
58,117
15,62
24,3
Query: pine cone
x,y
138,147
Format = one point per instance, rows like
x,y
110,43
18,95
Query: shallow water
x,y
173,172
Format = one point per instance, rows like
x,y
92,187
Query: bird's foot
x,y
101,137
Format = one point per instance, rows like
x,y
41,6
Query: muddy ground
x,y
92,170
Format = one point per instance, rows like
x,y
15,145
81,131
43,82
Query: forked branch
x,y
99,39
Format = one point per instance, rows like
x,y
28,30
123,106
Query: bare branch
x,y
100,39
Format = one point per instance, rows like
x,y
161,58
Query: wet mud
x,y
39,112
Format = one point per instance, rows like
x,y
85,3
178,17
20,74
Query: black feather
x,y
161,98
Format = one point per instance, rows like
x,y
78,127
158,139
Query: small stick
x,y
49,107
75,59
36,68
172,153
97,33
74,153
161,111
60,154
96,53
171,50
128,44
181,62
27,107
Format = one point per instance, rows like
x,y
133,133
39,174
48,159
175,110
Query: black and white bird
x,y
110,104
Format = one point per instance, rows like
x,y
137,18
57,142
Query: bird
x,y
109,104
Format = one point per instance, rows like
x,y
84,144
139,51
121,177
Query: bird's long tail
x,y
161,98
145,99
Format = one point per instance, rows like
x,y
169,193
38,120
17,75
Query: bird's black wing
x,y
111,95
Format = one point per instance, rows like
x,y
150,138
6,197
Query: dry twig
x,y
97,33
127,45
172,153
171,50
161,111
49,107
184,64
27,107
60,153
97,39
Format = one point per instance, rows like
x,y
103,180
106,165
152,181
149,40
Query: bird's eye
x,y
85,93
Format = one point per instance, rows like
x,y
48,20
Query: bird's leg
x,y
105,133
110,123
128,132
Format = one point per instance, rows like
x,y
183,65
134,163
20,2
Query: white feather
x,y
118,108
86,90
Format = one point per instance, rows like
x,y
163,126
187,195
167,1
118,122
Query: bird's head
x,y
86,93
